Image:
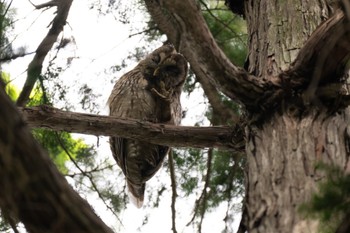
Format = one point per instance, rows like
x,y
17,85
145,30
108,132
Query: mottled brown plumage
x,y
149,92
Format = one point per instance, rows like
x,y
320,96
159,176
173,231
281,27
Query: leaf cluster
x,y
331,204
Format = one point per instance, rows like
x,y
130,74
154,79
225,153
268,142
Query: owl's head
x,y
165,65
152,61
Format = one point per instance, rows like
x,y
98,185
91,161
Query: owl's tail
x,y
136,193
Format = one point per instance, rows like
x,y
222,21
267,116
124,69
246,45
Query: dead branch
x,y
176,136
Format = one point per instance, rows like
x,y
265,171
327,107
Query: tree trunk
x,y
283,151
281,174
278,29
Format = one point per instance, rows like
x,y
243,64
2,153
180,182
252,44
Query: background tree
x,y
292,114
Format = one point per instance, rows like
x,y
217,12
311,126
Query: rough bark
x,y
32,189
277,30
282,156
283,151
284,145
318,65
177,136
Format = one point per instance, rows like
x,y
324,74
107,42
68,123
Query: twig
x,y
7,8
96,169
88,176
144,31
173,188
14,56
46,4
201,202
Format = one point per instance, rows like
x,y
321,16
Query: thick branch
x,y
35,66
323,57
176,136
32,189
185,26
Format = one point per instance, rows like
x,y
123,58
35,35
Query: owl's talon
x,y
156,72
165,97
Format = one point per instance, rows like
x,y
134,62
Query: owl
x,y
150,92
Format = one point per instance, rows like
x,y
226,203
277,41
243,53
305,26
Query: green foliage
x,y
117,198
331,204
56,143
229,30
57,91
5,26
4,227
11,90
59,143
226,175
189,164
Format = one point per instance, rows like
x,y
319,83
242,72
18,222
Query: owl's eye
x,y
156,58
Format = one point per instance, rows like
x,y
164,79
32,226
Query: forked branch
x,y
323,58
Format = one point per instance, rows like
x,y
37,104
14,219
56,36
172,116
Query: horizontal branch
x,y
176,136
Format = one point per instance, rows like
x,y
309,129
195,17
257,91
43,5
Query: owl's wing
x,y
138,160
153,161
116,145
